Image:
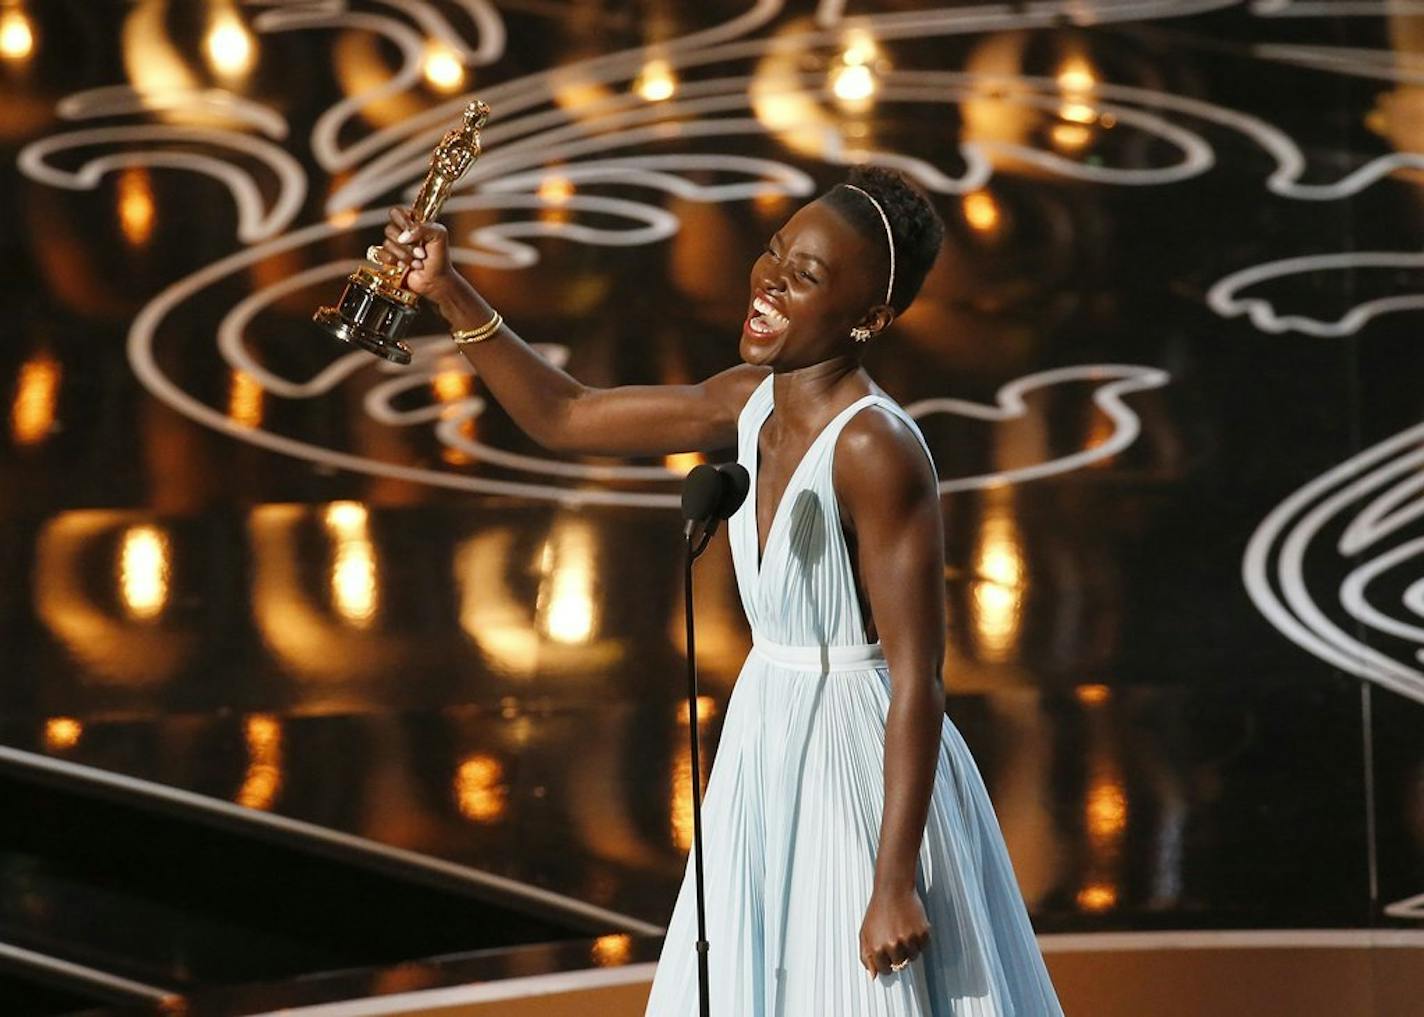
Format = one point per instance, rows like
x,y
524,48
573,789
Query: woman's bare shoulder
x,y
879,456
733,387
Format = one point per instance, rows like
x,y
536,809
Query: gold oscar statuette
x,y
375,309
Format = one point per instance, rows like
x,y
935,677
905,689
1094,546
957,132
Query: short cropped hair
x,y
914,223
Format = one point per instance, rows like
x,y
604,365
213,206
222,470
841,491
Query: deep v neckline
x,y
754,494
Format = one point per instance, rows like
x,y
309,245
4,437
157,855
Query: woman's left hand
x,y
895,929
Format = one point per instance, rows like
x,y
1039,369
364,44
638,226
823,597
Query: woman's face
x,y
814,282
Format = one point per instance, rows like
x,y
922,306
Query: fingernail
x,y
419,252
404,238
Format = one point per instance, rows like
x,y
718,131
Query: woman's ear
x,y
877,319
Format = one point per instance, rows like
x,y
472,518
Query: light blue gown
x,y
791,816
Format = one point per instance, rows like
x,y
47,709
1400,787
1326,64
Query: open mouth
x,y
766,320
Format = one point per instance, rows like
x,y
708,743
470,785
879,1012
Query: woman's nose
x,y
772,280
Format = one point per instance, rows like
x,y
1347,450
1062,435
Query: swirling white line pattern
x,y
1379,64
1386,478
511,173
1225,298
255,222
1410,907
509,178
551,135
1121,380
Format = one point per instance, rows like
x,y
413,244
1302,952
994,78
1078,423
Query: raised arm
x,y
548,404
890,495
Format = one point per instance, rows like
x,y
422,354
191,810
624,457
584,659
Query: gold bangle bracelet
x,y
476,335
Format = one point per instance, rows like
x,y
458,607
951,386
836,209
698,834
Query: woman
x,y
836,727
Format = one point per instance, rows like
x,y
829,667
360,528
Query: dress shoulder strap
x,y
875,399
913,424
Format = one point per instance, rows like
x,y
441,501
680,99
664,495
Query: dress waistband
x,y
822,659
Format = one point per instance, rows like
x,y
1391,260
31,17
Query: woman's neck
x,y
801,395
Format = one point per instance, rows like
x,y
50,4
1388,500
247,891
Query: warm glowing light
x,y
570,617
451,385
1076,74
244,400
36,392
458,456
793,113
143,571
1092,695
566,608
997,600
442,67
354,583
996,611
1106,811
480,792
1076,78
657,81
491,616
263,780
999,558
229,45
1101,430
1072,131
613,949
344,219
1071,136
981,211
346,520
137,208
854,83
17,36
772,204
575,94
683,462
706,710
681,804
264,733
779,110
1097,897
62,733
555,190
860,49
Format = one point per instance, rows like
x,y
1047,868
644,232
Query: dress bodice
x,y
802,593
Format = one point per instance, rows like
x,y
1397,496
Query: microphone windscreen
x,y
736,483
701,493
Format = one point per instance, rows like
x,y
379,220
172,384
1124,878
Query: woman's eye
x,y
807,276
769,251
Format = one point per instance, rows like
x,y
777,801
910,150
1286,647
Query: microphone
x,y
709,494
738,483
712,493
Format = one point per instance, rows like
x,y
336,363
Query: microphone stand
x,y
692,553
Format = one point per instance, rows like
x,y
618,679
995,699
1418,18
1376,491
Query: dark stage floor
x,y
1168,364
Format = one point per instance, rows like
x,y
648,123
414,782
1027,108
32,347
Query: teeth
x,y
770,313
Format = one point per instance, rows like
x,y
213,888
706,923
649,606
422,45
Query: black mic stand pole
x,y
703,1005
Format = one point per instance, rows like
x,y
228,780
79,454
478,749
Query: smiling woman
x,y
836,726
842,266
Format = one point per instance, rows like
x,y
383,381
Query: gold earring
x,y
860,333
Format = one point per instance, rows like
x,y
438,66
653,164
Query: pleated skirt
x,y
791,824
